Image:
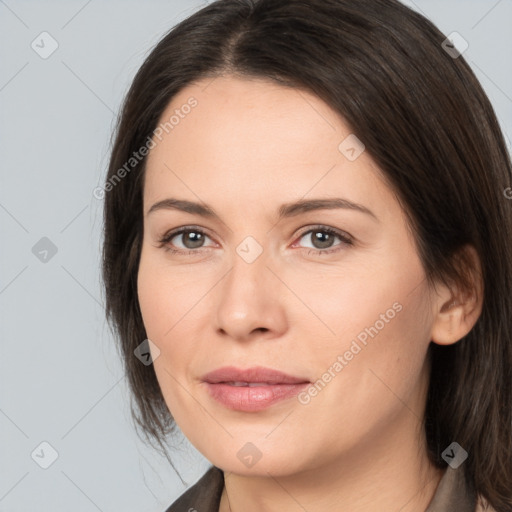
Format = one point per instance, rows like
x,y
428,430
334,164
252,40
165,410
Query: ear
x,y
457,310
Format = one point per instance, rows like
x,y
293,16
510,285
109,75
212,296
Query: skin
x,y
249,146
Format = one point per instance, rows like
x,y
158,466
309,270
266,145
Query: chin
x,y
250,460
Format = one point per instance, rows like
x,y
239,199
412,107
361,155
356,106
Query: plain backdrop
x,y
61,382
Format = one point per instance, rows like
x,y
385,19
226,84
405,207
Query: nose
x,y
249,300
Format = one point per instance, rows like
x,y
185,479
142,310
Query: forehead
x,y
255,117
251,139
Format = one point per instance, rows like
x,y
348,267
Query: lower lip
x,y
251,399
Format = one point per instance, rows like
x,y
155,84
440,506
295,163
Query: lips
x,y
255,375
253,389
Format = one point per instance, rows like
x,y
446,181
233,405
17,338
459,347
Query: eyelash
x,y
167,237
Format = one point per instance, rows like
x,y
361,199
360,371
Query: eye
x,y
322,239
192,238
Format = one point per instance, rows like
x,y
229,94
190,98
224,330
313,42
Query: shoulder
x,y
203,496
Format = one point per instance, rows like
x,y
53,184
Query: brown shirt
x,y
451,494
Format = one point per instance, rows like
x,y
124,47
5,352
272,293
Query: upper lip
x,y
254,374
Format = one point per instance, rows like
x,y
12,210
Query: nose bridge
x,y
249,294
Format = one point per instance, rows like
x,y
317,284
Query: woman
x,y
308,260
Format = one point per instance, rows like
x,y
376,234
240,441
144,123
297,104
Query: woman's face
x,y
347,310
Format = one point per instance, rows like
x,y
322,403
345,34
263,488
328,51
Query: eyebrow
x,y
285,210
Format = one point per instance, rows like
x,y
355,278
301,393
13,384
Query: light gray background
x,y
60,377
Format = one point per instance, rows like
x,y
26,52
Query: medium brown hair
x,y
427,123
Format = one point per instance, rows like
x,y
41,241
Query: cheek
x,y
358,304
383,350
165,296
375,320
151,298
158,305
162,307
172,302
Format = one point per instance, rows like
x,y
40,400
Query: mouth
x,y
255,375
248,384
253,389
